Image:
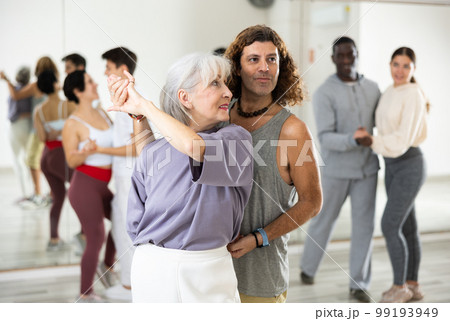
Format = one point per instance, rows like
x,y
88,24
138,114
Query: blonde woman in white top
x,y
401,122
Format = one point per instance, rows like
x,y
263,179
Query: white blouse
x,y
401,120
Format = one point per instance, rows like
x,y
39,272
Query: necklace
x,y
253,113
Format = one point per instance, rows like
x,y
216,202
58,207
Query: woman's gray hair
x,y
23,76
186,73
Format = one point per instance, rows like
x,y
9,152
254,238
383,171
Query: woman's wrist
x,y
142,106
139,118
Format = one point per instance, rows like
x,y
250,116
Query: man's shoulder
x,y
294,128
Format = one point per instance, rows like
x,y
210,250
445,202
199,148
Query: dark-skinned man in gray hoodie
x,y
345,102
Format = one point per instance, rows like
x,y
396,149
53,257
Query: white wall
x,y
159,32
29,29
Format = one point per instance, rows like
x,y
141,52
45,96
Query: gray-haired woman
x,y
189,188
20,127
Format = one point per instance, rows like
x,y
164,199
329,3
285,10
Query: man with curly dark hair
x,y
264,79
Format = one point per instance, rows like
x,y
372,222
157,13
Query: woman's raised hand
x,y
116,87
124,96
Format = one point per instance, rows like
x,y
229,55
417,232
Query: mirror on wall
x,y
25,228
56,28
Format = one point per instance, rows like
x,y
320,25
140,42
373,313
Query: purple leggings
x,y
56,171
91,200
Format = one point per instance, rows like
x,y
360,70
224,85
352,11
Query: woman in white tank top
x,y
49,120
87,140
50,116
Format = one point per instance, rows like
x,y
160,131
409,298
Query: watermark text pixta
x,y
226,151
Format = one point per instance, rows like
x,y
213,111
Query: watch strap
x,y
256,238
264,236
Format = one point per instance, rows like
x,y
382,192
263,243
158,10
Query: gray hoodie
x,y
339,109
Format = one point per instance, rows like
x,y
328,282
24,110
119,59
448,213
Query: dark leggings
x,y
404,177
56,171
91,200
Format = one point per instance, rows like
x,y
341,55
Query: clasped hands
x,y
241,245
88,149
124,96
362,137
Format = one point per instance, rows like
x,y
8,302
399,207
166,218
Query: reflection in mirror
x,y
36,117
25,233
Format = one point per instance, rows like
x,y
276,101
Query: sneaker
x,y
53,247
417,292
306,279
106,276
118,292
90,298
360,295
47,200
32,203
397,295
80,243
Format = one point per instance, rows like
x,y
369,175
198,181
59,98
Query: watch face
x,y
262,3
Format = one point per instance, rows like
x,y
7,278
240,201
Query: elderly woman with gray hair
x,y
189,188
19,115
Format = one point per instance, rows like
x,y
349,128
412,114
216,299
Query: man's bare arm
x,y
304,174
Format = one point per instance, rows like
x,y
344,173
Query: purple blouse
x,y
18,107
177,203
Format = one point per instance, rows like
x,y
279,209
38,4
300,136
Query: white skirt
x,y
167,275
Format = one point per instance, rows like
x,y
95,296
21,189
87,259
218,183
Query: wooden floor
x,y
61,284
24,233
30,274
331,282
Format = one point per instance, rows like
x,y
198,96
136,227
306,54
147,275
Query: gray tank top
x,y
264,271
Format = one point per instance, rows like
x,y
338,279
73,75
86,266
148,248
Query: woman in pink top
x,y
402,126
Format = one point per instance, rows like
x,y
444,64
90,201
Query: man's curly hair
x,y
289,89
